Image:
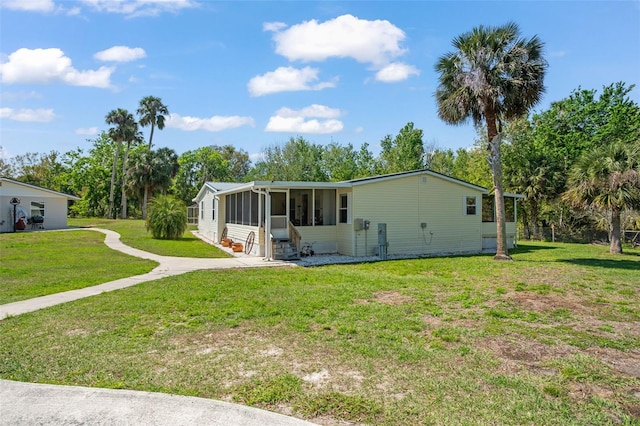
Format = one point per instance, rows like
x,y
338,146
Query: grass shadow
x,y
629,265
529,248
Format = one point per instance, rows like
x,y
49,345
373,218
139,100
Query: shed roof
x,y
39,188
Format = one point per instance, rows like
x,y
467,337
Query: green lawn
x,y
134,234
36,264
552,338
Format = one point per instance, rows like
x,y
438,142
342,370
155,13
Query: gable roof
x,y
372,179
39,188
217,187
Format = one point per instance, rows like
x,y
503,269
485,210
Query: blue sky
x,y
254,74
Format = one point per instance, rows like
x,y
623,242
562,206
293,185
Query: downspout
x,y
267,221
217,219
515,219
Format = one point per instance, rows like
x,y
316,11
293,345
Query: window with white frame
x,y
202,209
37,208
213,209
344,208
470,205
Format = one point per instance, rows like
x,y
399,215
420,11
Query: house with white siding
x,y
414,213
39,207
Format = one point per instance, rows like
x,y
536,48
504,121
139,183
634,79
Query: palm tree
x,y
132,135
120,119
152,112
152,171
493,76
607,179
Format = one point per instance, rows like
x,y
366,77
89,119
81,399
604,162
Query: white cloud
x,y
257,156
300,125
40,115
396,71
287,79
315,110
29,5
558,54
87,131
134,8
287,120
373,42
213,124
44,66
12,96
4,154
273,26
120,54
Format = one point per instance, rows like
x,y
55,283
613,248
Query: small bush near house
x,y
167,219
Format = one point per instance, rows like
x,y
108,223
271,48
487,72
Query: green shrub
x,y
167,218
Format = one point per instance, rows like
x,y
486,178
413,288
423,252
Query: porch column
x,y
267,225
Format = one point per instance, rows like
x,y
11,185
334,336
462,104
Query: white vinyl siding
x,y
55,205
407,202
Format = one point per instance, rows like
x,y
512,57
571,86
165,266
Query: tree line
x,y
549,157
576,163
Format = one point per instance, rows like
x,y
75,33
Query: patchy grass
x,y
552,338
40,263
133,233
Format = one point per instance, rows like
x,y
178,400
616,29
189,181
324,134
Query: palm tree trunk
x,y
495,161
123,205
113,183
144,201
153,125
614,234
501,229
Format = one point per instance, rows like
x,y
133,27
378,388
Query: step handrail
x,y
295,236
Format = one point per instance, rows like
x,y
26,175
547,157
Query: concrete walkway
x,y
168,266
26,404
23,404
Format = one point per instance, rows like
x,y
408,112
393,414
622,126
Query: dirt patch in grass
x,y
435,322
519,353
542,302
387,298
623,362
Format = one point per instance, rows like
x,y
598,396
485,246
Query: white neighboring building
x,y
34,201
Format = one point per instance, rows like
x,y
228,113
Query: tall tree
x,y
152,113
132,136
122,122
88,177
296,160
607,178
152,171
493,76
340,162
39,169
404,152
237,160
197,167
542,150
366,164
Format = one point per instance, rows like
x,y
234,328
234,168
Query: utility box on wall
x,y
382,241
358,224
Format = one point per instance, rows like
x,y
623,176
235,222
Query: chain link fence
x,y
579,236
